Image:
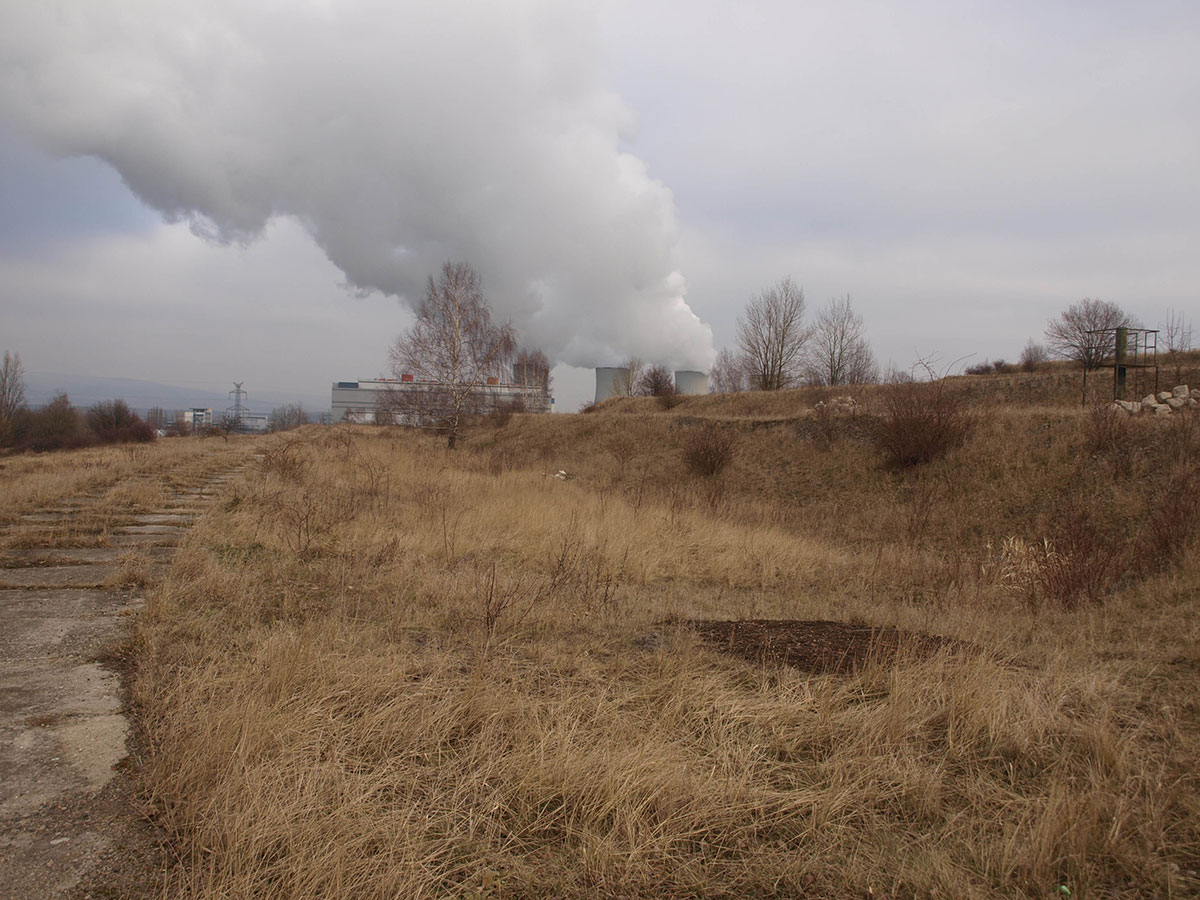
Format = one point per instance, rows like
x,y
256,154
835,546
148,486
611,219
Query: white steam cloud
x,y
401,134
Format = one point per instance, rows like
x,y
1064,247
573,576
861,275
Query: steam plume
x,y
400,134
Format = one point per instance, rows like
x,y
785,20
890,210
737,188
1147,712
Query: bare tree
x,y
728,374
655,381
12,395
838,352
1033,356
156,418
771,336
1177,333
454,345
531,369
625,383
1073,334
288,416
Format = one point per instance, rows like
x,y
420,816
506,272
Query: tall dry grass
x,y
454,675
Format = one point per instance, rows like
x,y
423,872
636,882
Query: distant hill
x,y
85,390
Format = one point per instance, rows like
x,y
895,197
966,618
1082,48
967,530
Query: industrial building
x,y
614,381
407,401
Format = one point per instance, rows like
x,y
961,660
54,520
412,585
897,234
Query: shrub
x,y
1033,356
708,449
1172,522
922,421
113,422
669,399
654,381
56,426
1085,556
1108,432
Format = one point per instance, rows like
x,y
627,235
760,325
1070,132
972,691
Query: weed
x,y
922,421
708,448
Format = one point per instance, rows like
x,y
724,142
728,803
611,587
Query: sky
x,y
206,191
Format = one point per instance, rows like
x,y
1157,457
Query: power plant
x,y
409,401
615,381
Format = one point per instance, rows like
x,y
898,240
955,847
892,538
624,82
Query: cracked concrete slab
x,y
54,576
65,819
151,529
10,559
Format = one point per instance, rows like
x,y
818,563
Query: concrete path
x,y
66,828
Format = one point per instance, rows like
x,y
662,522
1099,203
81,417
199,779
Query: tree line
x,y
776,348
58,425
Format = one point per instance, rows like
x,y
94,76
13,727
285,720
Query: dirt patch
x,y
818,647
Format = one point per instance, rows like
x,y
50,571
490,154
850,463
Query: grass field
x,y
384,669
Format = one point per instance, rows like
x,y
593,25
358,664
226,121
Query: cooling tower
x,y
611,381
690,382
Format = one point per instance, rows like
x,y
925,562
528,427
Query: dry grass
x,y
98,484
383,670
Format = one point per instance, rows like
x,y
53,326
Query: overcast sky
x,y
218,190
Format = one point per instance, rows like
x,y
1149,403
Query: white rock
x,y
1133,407
1163,396
1196,393
1150,401
1162,410
1175,402
1193,403
1180,391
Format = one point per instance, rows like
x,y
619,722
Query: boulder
x,y
1181,391
1175,402
1133,407
1162,410
1193,403
1150,401
1196,393
1163,396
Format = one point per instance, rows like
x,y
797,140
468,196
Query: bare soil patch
x,y
819,647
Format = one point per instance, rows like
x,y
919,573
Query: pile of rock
x,y
1163,403
846,405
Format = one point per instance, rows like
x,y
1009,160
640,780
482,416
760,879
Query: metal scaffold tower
x,y
234,414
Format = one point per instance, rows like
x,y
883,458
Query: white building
x,y
406,401
197,417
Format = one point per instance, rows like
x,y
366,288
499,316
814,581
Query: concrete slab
x,y
58,689
163,519
65,603
50,758
55,576
144,540
35,637
71,555
151,529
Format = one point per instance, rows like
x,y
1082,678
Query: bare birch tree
x,y
1073,333
454,346
12,395
728,373
771,336
838,351
625,383
1177,335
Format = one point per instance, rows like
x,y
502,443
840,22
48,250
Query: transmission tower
x,y
234,414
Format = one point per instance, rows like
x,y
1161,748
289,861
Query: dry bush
x,y
922,421
708,448
669,399
285,458
1172,523
1085,557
